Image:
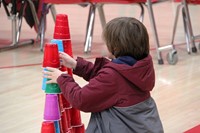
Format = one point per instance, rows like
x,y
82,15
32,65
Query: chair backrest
x,y
193,1
65,1
118,1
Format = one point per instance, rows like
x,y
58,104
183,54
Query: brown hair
x,y
126,36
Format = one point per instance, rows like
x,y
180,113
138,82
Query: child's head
x,y
126,36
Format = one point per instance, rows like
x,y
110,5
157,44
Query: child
x,y
118,91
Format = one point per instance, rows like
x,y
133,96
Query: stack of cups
x,y
51,109
51,114
77,125
51,59
68,118
65,113
62,37
61,34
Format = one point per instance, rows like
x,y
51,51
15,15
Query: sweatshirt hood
x,y
125,60
141,73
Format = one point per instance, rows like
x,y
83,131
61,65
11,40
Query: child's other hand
x,y
67,60
52,74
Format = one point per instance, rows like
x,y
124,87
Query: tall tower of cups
x,y
58,111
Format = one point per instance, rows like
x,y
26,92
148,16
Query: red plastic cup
x,y
62,17
78,129
61,36
66,104
68,113
65,122
47,127
75,117
60,102
51,110
69,71
67,46
51,56
70,130
61,30
63,68
61,128
62,23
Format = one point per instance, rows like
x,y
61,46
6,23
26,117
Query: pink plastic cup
x,y
51,56
75,117
47,127
51,110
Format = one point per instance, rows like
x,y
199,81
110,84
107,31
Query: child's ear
x,y
116,51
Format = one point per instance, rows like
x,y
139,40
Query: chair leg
x,y
141,18
101,15
20,17
43,20
53,12
42,26
175,22
189,25
187,35
90,28
152,20
36,20
16,28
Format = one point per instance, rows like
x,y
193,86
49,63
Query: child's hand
x,y
67,60
52,74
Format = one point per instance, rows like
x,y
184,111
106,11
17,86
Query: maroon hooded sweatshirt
x,y
114,88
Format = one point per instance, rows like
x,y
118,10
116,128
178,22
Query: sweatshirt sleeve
x,y
99,94
83,68
88,70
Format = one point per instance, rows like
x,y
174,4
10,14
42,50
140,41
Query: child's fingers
x,y
47,73
62,53
49,82
47,76
61,63
50,69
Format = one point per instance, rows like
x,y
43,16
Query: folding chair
x,y
171,56
189,36
47,5
16,14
